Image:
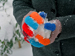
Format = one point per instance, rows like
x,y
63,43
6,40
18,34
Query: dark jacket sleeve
x,y
68,27
21,8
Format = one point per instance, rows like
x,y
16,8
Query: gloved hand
x,y
37,29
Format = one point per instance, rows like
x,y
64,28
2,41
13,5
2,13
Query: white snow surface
x,y
26,50
7,23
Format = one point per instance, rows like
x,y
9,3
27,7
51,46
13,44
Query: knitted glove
x,y
37,29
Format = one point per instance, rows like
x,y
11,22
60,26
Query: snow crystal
x,y
36,40
57,54
64,23
70,16
66,20
62,43
54,21
69,0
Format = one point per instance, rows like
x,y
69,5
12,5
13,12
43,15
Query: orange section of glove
x,y
42,41
37,17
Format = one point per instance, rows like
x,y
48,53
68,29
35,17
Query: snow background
x,y
7,23
26,50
